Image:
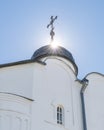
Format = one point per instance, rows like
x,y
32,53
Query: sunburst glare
x,y
54,44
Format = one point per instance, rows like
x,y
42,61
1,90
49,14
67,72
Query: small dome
x,y
49,51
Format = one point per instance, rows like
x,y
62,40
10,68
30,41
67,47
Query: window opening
x,y
59,115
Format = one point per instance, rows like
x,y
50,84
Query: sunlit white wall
x,y
94,98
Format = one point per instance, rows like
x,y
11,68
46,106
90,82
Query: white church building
x,y
44,93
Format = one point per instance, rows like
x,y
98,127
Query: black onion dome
x,y
49,51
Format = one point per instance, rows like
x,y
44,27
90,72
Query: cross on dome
x,y
52,33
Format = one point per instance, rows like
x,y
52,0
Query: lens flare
x,y
54,44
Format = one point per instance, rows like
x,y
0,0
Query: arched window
x,y
60,116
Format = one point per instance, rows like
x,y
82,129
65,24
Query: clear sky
x,y
79,28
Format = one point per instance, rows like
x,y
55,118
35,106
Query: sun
x,y
54,44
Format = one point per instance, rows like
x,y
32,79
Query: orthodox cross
x,y
52,33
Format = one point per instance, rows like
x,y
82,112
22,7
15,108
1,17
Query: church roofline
x,y
44,52
21,62
97,73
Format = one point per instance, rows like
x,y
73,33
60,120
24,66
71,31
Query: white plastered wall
x,y
48,85
55,84
15,112
16,84
94,102
17,80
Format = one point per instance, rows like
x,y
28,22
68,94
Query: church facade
x,y
44,93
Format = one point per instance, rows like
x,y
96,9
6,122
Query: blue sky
x,y
79,28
